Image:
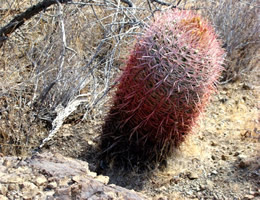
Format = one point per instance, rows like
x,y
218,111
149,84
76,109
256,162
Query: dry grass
x,y
237,23
73,52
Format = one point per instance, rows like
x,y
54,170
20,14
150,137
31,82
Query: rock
x,y
202,187
214,172
161,198
2,197
10,178
209,184
102,179
63,193
223,157
213,144
7,163
40,180
3,189
190,192
248,197
247,86
29,190
64,181
243,164
76,178
68,179
13,187
52,185
213,157
192,175
236,154
175,180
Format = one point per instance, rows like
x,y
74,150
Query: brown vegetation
x,y
57,69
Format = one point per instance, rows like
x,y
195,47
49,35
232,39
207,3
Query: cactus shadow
x,y
120,173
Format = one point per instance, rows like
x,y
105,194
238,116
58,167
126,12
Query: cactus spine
x,y
165,85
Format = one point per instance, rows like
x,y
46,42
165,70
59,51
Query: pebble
x,y
202,187
12,187
210,184
213,144
2,197
243,164
192,175
190,192
247,86
248,197
40,180
213,157
223,157
175,180
29,190
3,189
64,182
52,185
7,163
236,154
214,172
77,178
103,179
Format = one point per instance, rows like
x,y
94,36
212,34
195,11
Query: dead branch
x,y
19,19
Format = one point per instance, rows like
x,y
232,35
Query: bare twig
x,y
19,20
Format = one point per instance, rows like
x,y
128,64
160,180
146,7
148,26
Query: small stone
x,y
40,180
77,178
2,197
243,164
52,185
7,163
242,157
213,144
202,187
63,192
214,172
103,179
175,180
223,157
49,195
163,188
161,198
64,182
246,86
213,157
210,184
198,188
13,187
236,154
190,192
248,197
92,174
3,189
192,175
29,190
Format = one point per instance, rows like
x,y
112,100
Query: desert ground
x,y
56,73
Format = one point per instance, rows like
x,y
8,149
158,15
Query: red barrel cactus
x,y
169,76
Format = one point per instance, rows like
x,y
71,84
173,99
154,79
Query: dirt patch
x,y
220,160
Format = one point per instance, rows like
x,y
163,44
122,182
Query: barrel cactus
x,y
169,76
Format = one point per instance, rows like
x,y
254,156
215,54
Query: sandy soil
x,y
220,160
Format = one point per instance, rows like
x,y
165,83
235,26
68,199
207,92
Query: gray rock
x,y
70,179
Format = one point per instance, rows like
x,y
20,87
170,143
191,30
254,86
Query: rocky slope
x,y
53,176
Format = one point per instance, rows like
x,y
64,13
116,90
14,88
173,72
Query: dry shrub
x,y
61,61
237,23
74,51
